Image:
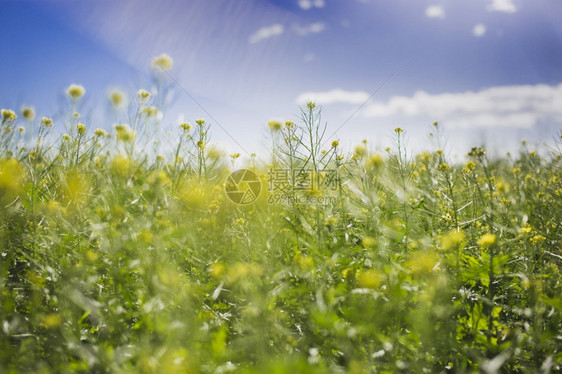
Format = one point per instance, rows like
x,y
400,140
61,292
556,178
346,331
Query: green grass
x,y
114,260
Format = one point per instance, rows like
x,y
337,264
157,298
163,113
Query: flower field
x,y
117,258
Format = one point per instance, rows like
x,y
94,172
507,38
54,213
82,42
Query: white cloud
x,y
333,97
310,29
479,30
435,11
307,4
266,32
506,6
509,106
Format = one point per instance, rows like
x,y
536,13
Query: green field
x,y
118,259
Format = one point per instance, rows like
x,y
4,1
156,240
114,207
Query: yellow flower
x,y
28,113
311,105
487,240
81,129
117,98
121,165
423,262
201,144
75,91
66,137
47,122
369,242
375,162
444,167
235,155
143,96
162,62
398,130
150,111
274,125
100,133
8,116
185,126
335,144
360,151
51,321
370,278
124,133
452,240
11,177
200,121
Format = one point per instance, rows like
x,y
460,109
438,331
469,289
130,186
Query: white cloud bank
x,y
479,30
504,106
505,6
435,11
307,4
265,33
336,96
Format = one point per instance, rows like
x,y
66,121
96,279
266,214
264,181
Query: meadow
x,y
117,259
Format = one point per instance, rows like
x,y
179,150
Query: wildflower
x,y
274,125
470,165
216,269
423,262
435,124
335,144
121,165
360,151
234,156
28,113
117,98
75,91
375,162
11,177
162,62
159,157
81,129
487,240
201,144
47,122
124,133
526,229
8,116
51,321
330,221
439,152
398,130
100,133
537,239
150,111
311,105
369,242
185,126
200,121
143,96
289,124
21,129
371,278
452,240
444,166
66,137
76,115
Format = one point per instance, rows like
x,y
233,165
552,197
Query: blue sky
x,y
489,70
